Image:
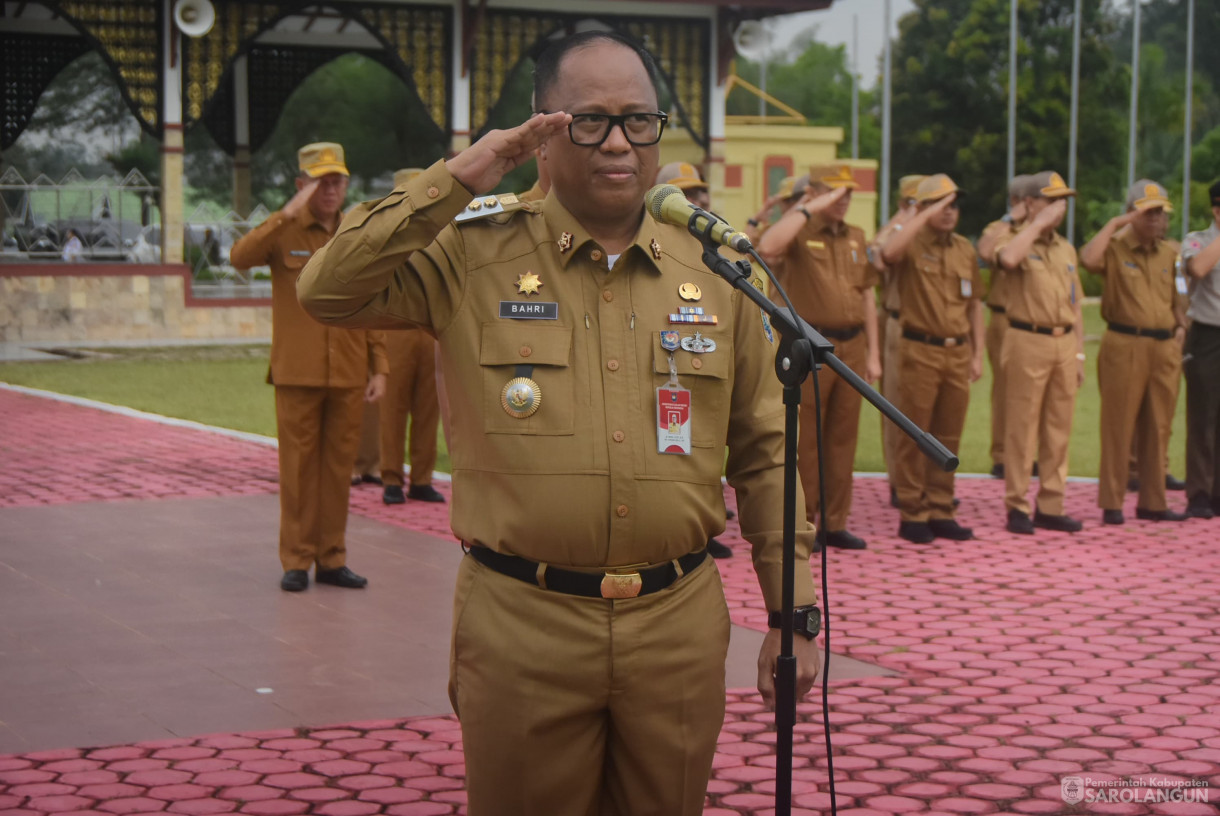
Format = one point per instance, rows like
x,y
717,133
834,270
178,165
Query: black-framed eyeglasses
x,y
641,129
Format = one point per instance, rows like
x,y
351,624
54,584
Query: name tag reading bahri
x,y
523,310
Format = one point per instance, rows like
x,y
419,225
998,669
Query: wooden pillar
x,y
459,136
241,155
714,160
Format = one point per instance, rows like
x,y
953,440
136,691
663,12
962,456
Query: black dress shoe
x,y
369,478
1112,517
917,532
729,514
355,481
1200,510
1019,522
426,493
950,529
392,494
341,577
718,550
843,540
1158,515
997,470
1174,483
294,581
1062,524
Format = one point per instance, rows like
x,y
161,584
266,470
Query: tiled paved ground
x,y
1021,661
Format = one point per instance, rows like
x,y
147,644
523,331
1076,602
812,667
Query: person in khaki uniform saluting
x,y
1140,360
940,354
322,376
1042,357
1010,224
888,316
821,262
595,371
787,195
410,393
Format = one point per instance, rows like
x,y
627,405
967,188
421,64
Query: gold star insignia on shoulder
x,y
565,242
656,249
528,283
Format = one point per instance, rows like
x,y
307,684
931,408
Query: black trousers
x,y
1202,369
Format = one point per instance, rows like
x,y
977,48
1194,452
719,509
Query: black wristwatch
x,y
801,209
806,621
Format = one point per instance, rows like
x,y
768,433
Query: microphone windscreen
x,y
656,197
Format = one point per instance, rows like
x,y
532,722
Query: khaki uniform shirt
x,y
1045,288
303,351
938,279
1139,288
995,293
824,271
580,482
1204,292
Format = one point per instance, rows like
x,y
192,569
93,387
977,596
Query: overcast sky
x,y
835,28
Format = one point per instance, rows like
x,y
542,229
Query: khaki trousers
x,y
840,429
934,394
368,454
889,385
575,706
1039,398
1138,379
318,430
410,391
994,340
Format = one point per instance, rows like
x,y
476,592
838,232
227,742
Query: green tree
x,y
950,100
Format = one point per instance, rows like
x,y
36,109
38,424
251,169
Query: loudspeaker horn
x,y
752,39
194,18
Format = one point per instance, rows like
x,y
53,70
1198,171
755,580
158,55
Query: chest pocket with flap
x,y
707,377
548,349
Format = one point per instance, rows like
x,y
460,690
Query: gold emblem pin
x,y
521,397
689,291
475,205
656,249
528,283
565,242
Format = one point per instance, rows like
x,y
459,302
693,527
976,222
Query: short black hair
x,y
1214,192
546,64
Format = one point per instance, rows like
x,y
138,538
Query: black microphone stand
x,y
801,350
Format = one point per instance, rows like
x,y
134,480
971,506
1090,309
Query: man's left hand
x,y
375,390
808,664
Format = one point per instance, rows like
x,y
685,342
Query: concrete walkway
x,y
149,663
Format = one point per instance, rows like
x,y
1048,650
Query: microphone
x,y
667,204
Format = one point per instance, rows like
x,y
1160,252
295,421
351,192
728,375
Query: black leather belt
x,y
1054,331
933,340
840,334
997,309
1155,334
616,583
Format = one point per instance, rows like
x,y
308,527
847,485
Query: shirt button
x,y
525,351
596,254
619,436
696,364
612,365
434,191
607,295
621,510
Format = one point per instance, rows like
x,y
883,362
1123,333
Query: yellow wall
x,y
749,147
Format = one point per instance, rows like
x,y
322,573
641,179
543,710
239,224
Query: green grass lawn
x,y
225,386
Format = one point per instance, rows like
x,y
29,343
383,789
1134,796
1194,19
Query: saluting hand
x,y
297,204
480,167
822,201
1049,215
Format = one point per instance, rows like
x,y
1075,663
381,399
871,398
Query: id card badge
x,y
967,288
673,419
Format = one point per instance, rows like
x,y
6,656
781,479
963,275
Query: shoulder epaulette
x,y
491,205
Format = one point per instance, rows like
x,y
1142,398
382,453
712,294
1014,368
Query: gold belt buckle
x,y
950,342
622,584
1057,331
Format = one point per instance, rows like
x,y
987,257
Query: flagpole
x,y
1012,89
1190,77
885,123
855,86
1135,92
1071,213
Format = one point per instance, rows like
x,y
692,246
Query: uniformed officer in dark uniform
x,y
595,371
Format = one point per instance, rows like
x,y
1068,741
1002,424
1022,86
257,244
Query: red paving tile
x,y
1020,660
